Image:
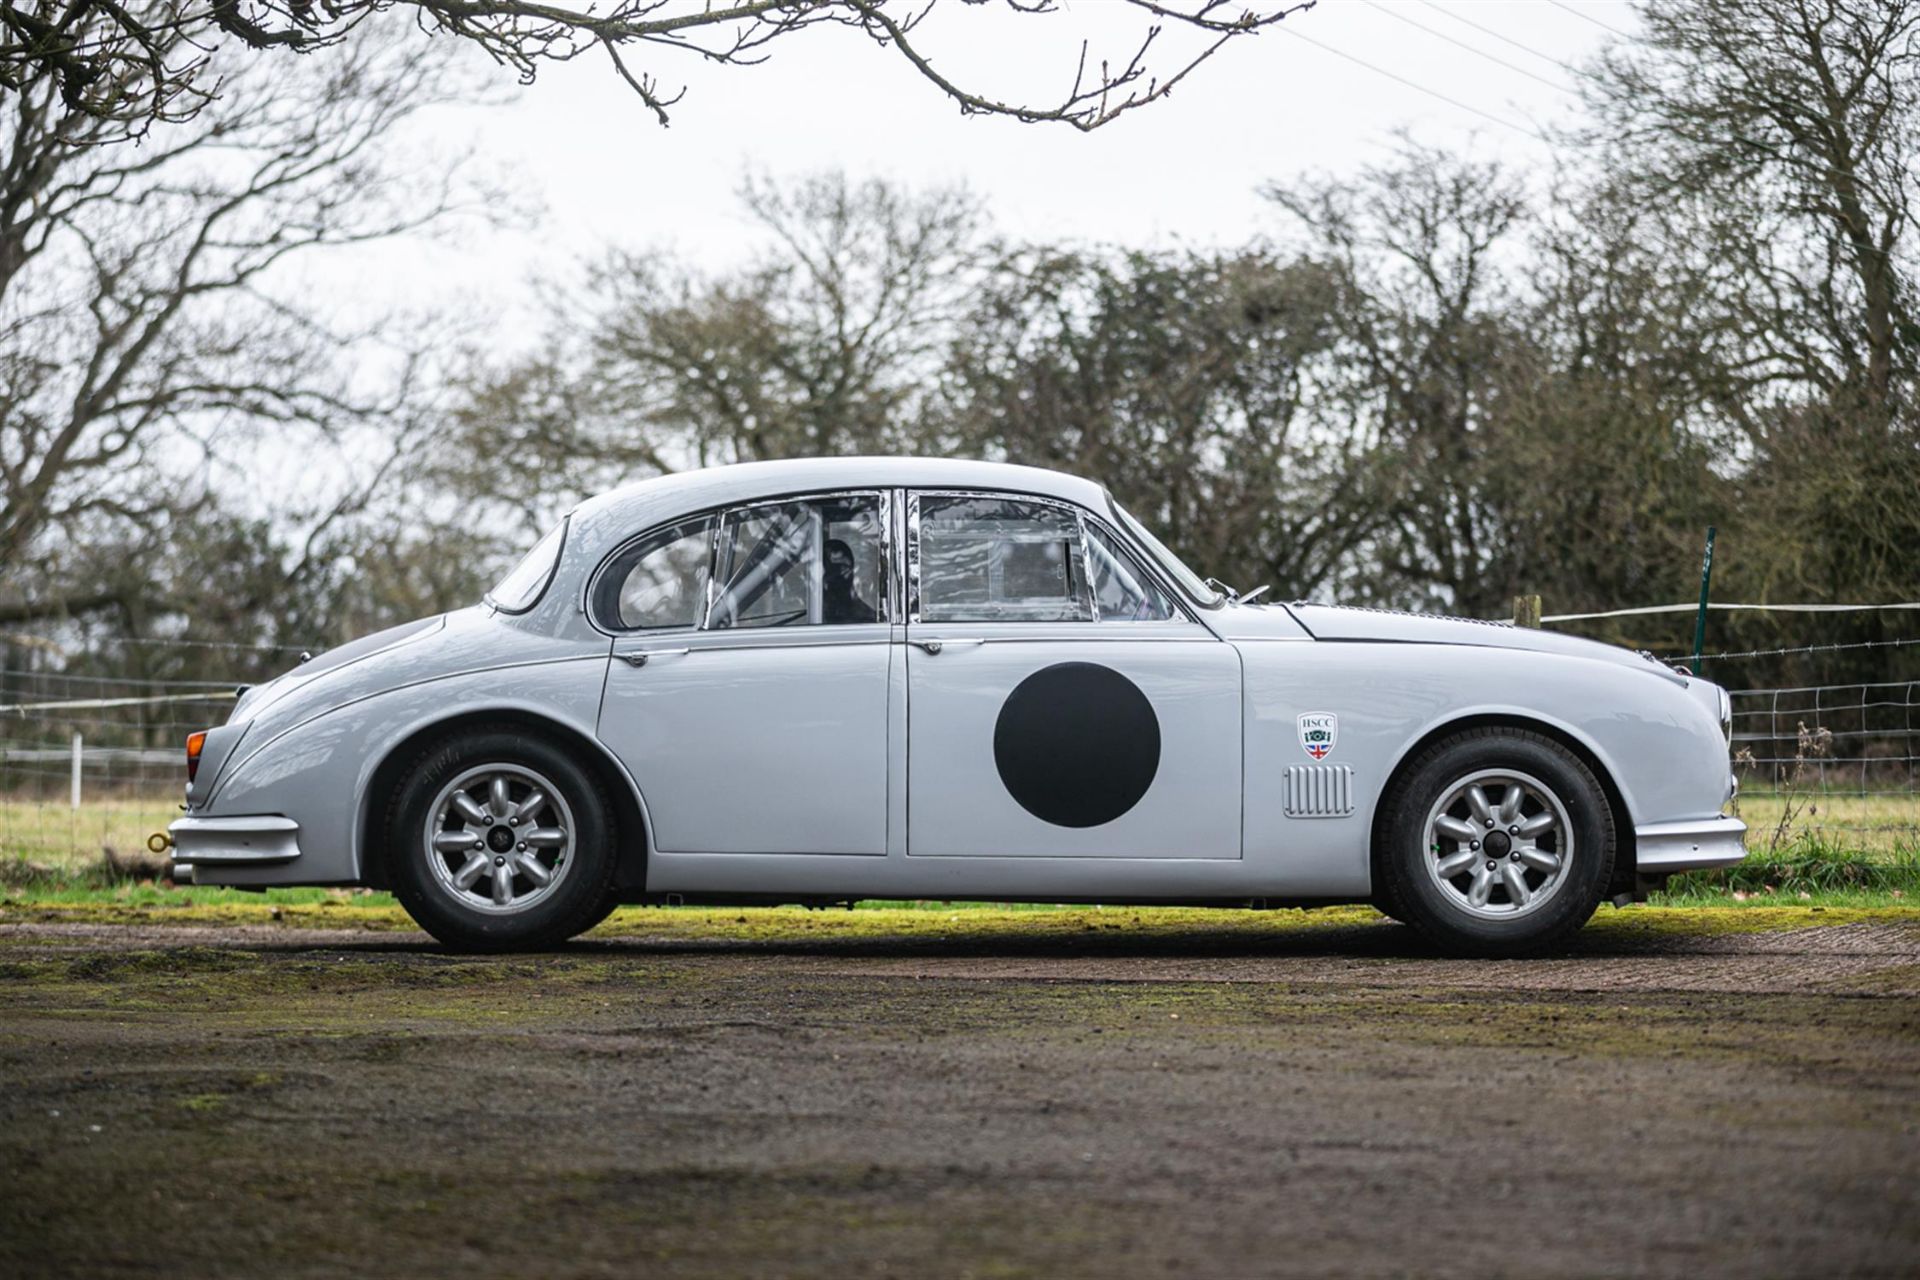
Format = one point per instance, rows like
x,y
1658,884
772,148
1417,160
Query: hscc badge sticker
x,y
1319,730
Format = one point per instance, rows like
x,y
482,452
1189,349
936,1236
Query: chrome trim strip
x,y
1107,632
913,557
235,841
774,641
1690,846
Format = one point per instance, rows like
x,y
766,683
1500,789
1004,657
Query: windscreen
x,y
1189,581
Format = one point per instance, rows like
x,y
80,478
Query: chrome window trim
x,y
913,552
1145,563
719,515
627,544
885,577
905,572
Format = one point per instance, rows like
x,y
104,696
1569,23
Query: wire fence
x,y
92,763
1836,762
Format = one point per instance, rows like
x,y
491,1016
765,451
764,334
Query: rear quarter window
x,y
527,581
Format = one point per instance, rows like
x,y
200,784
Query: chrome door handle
x,y
638,657
934,646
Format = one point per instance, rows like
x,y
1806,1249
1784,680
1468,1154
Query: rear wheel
x,y
1495,842
500,841
1388,909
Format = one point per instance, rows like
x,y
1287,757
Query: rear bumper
x,y
250,841
1690,846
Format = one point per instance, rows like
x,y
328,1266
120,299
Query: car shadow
x,y
1381,940
1120,941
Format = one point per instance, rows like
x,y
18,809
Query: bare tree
x,y
1424,323
828,340
1763,152
1782,133
138,62
143,328
822,345
1188,384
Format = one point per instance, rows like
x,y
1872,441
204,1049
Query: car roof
x,y
684,492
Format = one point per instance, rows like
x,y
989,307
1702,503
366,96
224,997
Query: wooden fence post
x,y
1526,611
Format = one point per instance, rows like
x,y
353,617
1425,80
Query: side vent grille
x,y
1319,791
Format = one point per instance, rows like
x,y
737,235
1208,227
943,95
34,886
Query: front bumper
x,y
250,841
1690,846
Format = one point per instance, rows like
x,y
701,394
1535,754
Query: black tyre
x,y
601,912
500,841
1494,842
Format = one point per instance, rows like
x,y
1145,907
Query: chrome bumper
x,y
234,842
1690,846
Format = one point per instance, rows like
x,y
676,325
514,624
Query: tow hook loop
x,y
159,842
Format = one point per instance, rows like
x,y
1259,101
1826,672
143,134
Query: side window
x,y
1121,587
814,562
659,582
1000,560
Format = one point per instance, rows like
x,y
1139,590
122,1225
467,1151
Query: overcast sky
x,y
1182,171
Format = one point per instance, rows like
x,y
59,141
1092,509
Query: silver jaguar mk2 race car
x,y
820,681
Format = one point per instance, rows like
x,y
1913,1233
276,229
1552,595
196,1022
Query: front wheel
x,y
1495,842
499,842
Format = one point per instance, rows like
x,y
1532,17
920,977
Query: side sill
x,y
1690,846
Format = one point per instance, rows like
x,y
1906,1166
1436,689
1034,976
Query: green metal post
x,y
1700,619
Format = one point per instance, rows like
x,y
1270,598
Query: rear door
x,y
1061,702
748,691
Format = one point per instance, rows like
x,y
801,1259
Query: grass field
x,y
906,923
1875,824
48,832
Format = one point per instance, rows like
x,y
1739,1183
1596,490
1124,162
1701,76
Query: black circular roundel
x,y
1077,744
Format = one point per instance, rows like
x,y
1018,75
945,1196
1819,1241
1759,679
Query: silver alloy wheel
x,y
499,838
1499,844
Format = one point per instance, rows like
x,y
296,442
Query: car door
x,y
749,685
1060,700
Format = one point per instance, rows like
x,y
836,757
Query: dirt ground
x,y
247,1101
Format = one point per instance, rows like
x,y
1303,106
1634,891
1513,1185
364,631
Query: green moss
x,y
186,907
1744,918
783,925
913,922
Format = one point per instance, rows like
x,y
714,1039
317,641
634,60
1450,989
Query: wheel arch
x,y
1626,854
632,836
